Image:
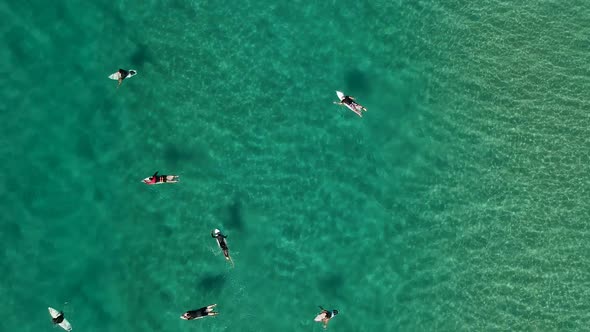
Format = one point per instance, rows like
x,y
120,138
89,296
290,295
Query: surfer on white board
x,y
349,102
325,315
216,234
200,313
157,179
123,74
59,318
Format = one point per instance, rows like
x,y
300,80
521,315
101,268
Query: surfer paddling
x,y
122,74
217,235
57,318
325,315
350,103
159,179
200,313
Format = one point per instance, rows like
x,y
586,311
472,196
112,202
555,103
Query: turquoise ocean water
x,y
458,203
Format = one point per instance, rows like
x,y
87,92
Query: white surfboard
x,y
319,317
117,75
340,95
64,324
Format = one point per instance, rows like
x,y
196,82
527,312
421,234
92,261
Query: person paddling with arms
x,y
222,243
122,74
325,315
350,103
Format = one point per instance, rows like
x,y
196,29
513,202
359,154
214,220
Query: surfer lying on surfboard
x,y
57,317
122,74
159,179
216,234
200,313
325,315
350,103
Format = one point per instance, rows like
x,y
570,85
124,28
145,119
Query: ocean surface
x,y
459,202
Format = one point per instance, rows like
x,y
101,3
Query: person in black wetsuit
x,y
326,315
348,100
124,73
216,234
200,313
155,179
161,178
58,319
